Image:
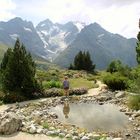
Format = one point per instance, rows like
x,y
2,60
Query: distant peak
x,y
96,24
48,21
17,19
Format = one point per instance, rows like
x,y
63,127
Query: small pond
x,y
92,116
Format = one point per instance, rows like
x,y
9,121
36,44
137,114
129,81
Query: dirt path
x,y
96,91
25,136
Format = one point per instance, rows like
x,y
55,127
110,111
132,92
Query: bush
x,y
13,97
134,102
53,92
52,84
115,81
77,91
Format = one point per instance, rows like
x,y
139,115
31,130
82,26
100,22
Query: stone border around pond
x,y
34,116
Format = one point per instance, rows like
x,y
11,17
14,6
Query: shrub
x,y
134,102
77,91
13,97
45,125
53,92
52,84
115,81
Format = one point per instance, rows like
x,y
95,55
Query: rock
x,y
75,138
39,131
85,138
61,135
96,136
90,135
120,94
9,123
127,135
128,113
81,134
32,129
68,136
138,128
49,133
51,128
45,131
117,139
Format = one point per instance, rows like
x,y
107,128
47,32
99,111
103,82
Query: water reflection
x,y
66,109
92,116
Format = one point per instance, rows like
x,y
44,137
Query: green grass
x,y
80,83
134,102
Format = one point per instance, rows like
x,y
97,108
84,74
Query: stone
x,y
117,139
68,136
39,131
49,133
61,135
120,94
96,136
9,123
90,135
75,138
32,129
85,138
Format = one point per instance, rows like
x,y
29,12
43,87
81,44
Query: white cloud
x,y
117,16
6,7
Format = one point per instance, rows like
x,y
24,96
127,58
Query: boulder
x,y
9,123
120,94
85,138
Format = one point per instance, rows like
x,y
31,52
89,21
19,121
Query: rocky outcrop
x,y
9,123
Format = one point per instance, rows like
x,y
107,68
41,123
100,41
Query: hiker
x,y
66,86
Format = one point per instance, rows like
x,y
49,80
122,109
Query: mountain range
x,y
59,43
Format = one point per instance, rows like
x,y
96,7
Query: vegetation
x,y
45,125
82,61
138,46
115,81
114,66
18,74
81,82
52,84
134,102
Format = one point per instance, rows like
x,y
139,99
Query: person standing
x,y
66,86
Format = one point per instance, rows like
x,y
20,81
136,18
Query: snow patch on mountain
x,y
14,36
42,25
43,40
27,29
79,25
58,40
101,35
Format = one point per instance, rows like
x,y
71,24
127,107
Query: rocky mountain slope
x,y
102,45
59,43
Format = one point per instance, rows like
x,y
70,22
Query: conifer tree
x,y
138,46
82,61
19,71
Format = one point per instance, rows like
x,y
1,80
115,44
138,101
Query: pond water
x,y
91,116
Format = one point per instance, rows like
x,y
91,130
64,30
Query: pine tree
x,y
19,71
138,46
5,59
82,61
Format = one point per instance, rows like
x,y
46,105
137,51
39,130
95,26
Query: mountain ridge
x,y
52,41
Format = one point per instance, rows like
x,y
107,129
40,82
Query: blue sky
x,y
116,16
